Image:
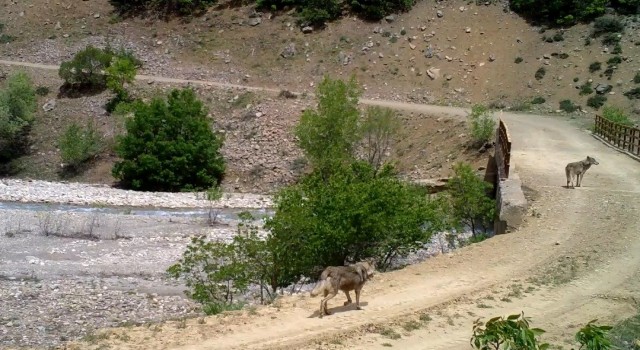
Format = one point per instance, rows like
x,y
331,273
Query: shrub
x,y
169,146
594,67
617,49
614,60
610,39
563,56
616,115
586,89
606,25
559,11
540,73
481,124
538,100
87,69
633,94
17,109
636,78
471,206
122,71
78,145
513,332
378,128
558,36
596,101
568,106
165,7
42,90
518,60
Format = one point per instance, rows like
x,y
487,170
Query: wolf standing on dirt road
x,y
344,278
578,169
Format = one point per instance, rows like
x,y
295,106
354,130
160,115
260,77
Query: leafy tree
x,y
328,135
592,337
169,146
77,145
377,9
357,213
122,71
481,124
17,109
510,333
559,11
166,7
87,69
470,204
378,128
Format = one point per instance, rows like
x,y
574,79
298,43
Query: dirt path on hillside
x,y
576,258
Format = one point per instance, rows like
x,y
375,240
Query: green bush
x,y
633,94
636,78
481,124
513,332
559,11
596,101
538,100
615,60
540,73
78,145
606,25
169,146
518,60
594,67
470,204
592,337
89,68
165,7
616,115
17,110
586,89
568,106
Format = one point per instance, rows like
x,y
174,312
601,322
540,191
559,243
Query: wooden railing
x,y
503,151
624,137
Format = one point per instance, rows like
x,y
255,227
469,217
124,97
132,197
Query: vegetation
x,y
538,100
518,60
470,204
91,69
568,106
633,94
378,128
624,335
586,89
616,115
482,124
17,109
595,66
568,12
169,146
596,101
540,73
606,25
636,78
164,7
514,332
122,71
78,145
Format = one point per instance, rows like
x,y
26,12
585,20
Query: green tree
x,y
510,333
78,145
121,72
564,12
17,110
328,134
87,69
470,204
169,146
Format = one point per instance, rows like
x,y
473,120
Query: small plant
x,y
633,94
482,124
390,333
6,38
518,60
510,333
538,100
610,39
594,67
592,337
608,72
558,36
540,73
42,90
587,41
636,78
78,145
576,79
403,32
614,60
411,326
563,56
596,101
617,49
568,106
586,89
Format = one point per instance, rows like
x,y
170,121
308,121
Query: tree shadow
x,y
76,91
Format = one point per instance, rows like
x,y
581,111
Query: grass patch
x,y
42,91
390,333
217,308
616,115
6,38
411,326
425,318
243,100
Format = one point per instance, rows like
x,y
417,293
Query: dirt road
x,y
576,258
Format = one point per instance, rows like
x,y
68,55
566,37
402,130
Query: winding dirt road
x,y
576,258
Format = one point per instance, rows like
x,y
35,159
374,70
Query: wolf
x,y
343,278
578,169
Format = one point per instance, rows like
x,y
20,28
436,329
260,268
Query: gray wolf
x,y
577,170
343,278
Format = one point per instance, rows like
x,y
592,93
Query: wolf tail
x,y
321,286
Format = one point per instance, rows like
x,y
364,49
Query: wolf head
x,y
592,161
367,268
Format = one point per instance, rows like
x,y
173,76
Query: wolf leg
x,y
323,304
349,301
358,298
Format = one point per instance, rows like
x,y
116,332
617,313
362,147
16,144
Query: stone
x,y
289,51
254,21
433,73
390,18
307,29
49,106
439,13
602,89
